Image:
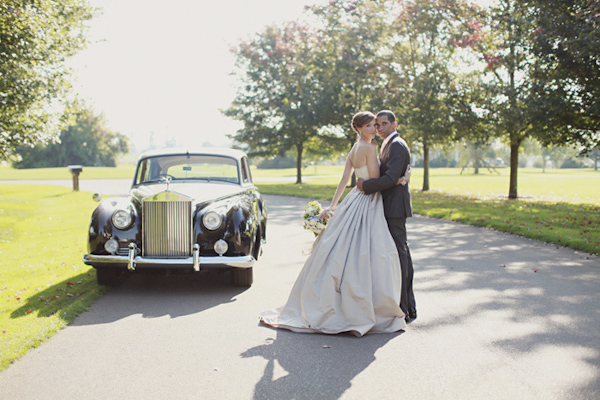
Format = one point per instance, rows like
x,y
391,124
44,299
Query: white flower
x,y
312,218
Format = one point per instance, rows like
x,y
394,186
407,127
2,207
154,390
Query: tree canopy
x,y
420,77
566,38
87,142
35,39
451,71
282,102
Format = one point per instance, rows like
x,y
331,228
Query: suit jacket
x,y
394,161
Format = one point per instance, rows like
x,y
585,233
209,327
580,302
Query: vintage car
x,y
188,210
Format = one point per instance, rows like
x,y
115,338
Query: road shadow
x,y
157,295
520,282
313,366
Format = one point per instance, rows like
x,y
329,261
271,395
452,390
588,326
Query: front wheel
x,y
242,277
108,276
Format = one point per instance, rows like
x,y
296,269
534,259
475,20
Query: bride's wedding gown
x,y
351,281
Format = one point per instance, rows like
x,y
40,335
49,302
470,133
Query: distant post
x,y
75,170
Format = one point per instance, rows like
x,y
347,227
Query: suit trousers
x,y
397,228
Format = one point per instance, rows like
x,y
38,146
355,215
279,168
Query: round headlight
x,y
212,220
121,219
112,246
221,247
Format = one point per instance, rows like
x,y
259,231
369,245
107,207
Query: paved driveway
x,y
500,317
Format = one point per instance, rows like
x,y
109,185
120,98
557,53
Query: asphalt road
x,y
499,317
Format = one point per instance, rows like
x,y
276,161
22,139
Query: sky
x,y
161,70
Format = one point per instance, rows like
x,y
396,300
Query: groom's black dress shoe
x,y
412,313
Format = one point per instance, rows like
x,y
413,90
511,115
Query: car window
x,y
143,171
188,167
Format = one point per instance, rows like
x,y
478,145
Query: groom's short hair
x,y
387,113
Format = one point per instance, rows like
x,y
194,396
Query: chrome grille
x,y
167,229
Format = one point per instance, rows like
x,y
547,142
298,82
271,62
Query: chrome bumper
x,y
196,261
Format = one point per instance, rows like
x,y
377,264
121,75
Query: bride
x,y
351,281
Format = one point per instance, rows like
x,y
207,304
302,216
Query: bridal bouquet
x,y
312,218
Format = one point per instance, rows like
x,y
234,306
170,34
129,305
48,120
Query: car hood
x,y
198,192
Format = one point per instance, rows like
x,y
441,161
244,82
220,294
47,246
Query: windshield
x,y
186,167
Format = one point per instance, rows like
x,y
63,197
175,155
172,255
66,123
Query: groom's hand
x,y
359,184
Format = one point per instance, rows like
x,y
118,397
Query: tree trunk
x,y
425,167
476,166
299,164
543,164
514,167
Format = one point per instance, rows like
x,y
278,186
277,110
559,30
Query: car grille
x,y
167,229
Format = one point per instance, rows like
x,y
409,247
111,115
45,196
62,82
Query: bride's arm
x,y
348,170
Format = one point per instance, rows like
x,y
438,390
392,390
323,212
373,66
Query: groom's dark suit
x,y
397,207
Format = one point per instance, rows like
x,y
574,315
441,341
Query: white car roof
x,y
221,151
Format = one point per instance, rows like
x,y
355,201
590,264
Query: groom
x,y
395,157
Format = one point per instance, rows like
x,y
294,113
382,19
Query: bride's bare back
x,y
362,154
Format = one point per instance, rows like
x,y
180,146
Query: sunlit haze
x,y
161,69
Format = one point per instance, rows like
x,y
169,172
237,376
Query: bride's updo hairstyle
x,y
360,119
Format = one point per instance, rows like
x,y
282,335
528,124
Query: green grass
x,y
580,186
124,171
44,284
571,225
313,170
560,206
556,185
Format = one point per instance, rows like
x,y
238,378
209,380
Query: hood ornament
x,y
167,180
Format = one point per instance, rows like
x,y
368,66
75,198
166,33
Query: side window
x,y
246,177
142,175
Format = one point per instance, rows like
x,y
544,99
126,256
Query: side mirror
x,y
97,197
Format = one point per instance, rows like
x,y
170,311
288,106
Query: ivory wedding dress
x,y
351,281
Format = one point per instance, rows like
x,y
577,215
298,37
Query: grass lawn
x,y
580,186
558,206
43,284
565,185
124,171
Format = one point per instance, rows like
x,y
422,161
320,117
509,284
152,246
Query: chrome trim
x,y
131,257
167,226
139,261
196,257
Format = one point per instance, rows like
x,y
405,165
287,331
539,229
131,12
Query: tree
x,y
349,54
476,156
595,156
282,102
524,98
566,40
87,142
419,78
503,44
35,39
